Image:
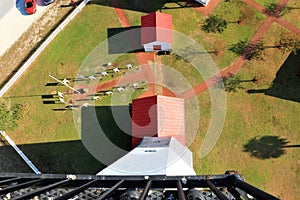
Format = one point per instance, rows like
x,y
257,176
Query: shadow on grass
x,y
75,156
53,157
146,5
106,131
124,40
267,147
287,81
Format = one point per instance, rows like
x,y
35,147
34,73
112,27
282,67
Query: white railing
x,y
23,156
25,66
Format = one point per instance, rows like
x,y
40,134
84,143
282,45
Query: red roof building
x,y
156,33
158,116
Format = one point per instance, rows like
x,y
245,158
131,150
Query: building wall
x,y
164,46
203,2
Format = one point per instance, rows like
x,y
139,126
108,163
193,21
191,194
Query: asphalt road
x,y
5,6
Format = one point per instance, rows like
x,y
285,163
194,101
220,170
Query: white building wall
x,y
203,2
172,159
149,46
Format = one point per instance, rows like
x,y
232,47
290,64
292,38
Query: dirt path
x,y
255,5
288,26
282,3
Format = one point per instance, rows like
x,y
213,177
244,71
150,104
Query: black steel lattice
x,y
226,186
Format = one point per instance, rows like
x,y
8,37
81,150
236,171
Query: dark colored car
x,y
30,6
47,2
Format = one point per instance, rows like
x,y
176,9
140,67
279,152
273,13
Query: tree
x,y
214,24
247,16
232,83
275,10
254,51
249,52
217,46
238,48
288,44
9,115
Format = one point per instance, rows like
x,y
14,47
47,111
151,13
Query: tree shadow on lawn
x,y
286,84
267,147
145,5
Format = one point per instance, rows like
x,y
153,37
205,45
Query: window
x,y
156,47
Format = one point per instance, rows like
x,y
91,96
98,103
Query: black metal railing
x,y
228,186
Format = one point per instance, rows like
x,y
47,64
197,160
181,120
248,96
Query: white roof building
x,y
154,156
203,2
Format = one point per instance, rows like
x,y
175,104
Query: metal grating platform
x,y
228,186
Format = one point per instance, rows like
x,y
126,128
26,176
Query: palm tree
x,y
214,24
275,10
252,51
288,44
232,83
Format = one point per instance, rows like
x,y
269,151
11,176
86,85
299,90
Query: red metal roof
x,y
144,118
158,116
156,27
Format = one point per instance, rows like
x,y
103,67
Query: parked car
x,y
30,6
47,2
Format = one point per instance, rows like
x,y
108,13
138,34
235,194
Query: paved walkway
x,y
14,21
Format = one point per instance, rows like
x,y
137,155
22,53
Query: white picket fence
x,y
23,156
32,58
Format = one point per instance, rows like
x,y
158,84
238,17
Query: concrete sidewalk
x,y
14,21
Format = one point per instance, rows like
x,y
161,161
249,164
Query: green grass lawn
x,y
256,115
188,21
62,58
51,136
267,2
293,14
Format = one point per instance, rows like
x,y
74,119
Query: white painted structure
x,y
203,2
154,156
156,32
160,46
